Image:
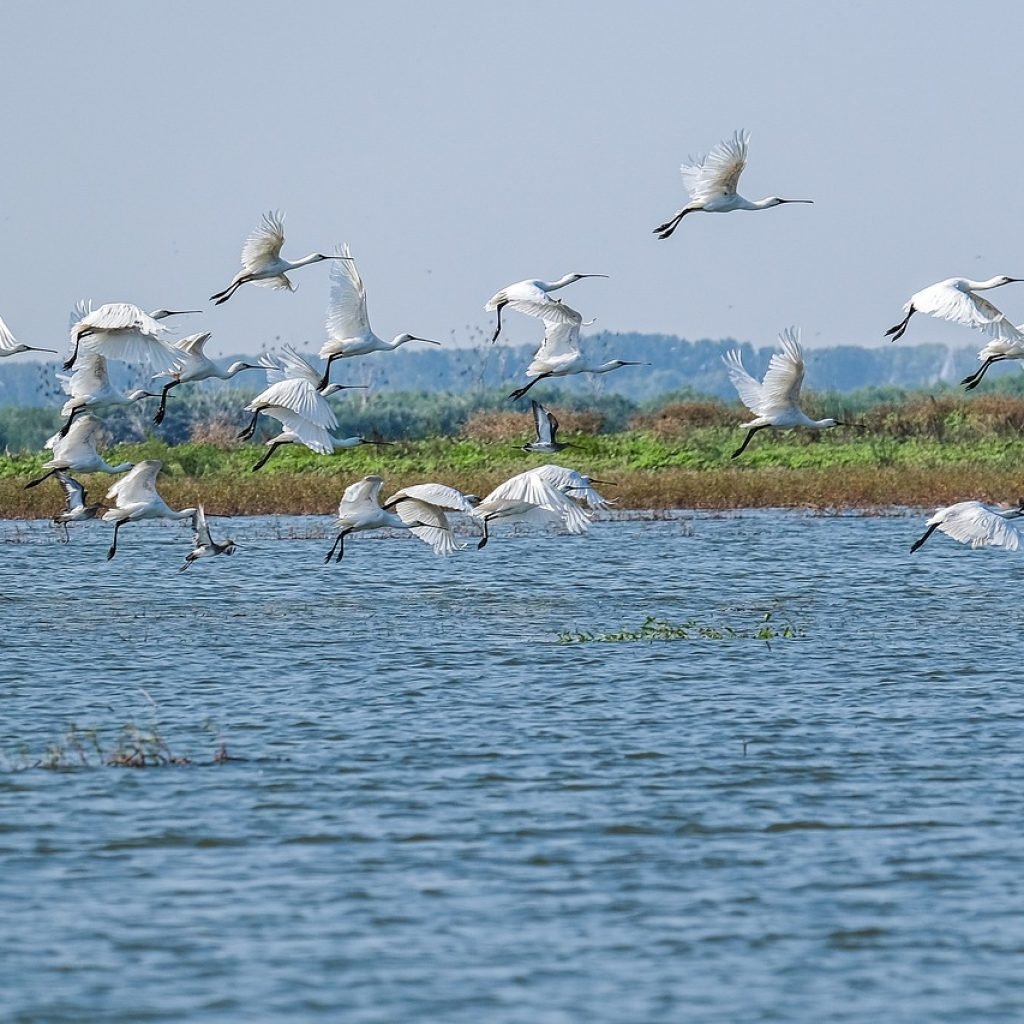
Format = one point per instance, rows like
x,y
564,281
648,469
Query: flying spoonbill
x,y
193,364
75,508
136,499
527,497
348,323
775,401
360,510
296,400
203,545
119,330
534,299
76,452
559,356
424,508
10,346
313,440
89,386
261,259
971,522
574,484
955,299
711,181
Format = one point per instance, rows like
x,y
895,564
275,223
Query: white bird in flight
x,y
971,522
75,508
360,510
994,352
261,259
559,356
76,452
534,299
313,440
136,499
89,387
424,509
10,346
574,484
955,299
119,330
295,399
348,323
203,545
712,180
775,401
193,364
527,497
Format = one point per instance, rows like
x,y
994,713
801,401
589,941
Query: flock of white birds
x,y
296,393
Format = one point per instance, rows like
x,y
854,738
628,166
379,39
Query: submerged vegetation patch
x,y
654,629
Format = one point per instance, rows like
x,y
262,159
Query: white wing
x,y
300,397
263,245
346,313
138,485
297,367
88,378
560,339
439,495
718,173
785,374
7,339
79,435
83,307
970,522
748,388
949,302
551,311
365,492
434,530
193,344
533,489
315,437
572,483
200,531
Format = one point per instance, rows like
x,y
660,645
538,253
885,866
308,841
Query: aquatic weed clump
x,y
653,629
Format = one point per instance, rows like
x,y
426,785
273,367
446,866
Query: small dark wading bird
x,y
119,330
75,508
955,299
203,545
10,346
360,510
546,442
533,298
559,356
348,322
775,401
261,259
971,522
711,181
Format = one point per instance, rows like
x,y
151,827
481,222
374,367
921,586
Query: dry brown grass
x,y
513,426
670,487
678,419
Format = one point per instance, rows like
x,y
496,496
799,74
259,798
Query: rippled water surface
x,y
435,812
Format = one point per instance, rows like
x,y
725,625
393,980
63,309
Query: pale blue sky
x,y
461,146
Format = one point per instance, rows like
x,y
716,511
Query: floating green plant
x,y
653,628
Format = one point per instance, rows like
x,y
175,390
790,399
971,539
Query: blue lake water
x,y
438,813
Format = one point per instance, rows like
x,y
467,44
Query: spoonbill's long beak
x,y
594,275
427,340
32,348
796,201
